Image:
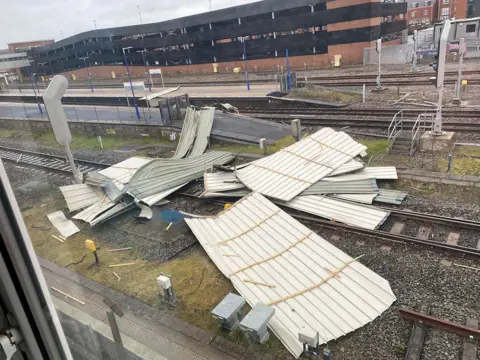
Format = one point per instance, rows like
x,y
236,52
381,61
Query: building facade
x,y
421,13
313,31
448,9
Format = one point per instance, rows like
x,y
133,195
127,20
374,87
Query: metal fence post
x,y
96,114
364,93
76,114
26,116
12,113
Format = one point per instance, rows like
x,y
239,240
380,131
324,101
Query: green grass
x,y
376,147
468,151
325,95
110,142
461,166
254,149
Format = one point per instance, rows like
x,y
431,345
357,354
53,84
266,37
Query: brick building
x,y
421,13
314,32
448,9
27,45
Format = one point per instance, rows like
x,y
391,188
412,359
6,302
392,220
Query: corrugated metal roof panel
x,y
313,286
155,198
94,178
116,210
94,210
391,196
163,174
348,168
380,172
365,186
122,172
290,171
205,123
187,136
367,217
360,198
221,181
80,196
233,193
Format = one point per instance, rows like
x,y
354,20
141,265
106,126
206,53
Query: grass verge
x,y
110,142
254,149
325,95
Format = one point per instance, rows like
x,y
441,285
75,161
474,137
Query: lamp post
x,y
130,79
146,69
246,63
88,71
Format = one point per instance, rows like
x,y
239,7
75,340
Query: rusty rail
x,y
445,325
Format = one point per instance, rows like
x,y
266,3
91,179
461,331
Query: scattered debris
x,y
118,265
116,275
68,295
467,267
62,224
56,237
122,249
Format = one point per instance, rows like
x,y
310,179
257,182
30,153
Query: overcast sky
x,y
26,20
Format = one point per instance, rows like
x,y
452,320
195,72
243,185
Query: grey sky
x,y
26,20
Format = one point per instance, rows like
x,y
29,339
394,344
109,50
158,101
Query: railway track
x,y
390,76
49,163
58,164
363,123
355,112
337,83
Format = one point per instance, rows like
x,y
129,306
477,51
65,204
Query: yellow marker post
x,y
464,82
90,245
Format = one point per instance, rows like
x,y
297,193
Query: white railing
x,y
421,123
396,126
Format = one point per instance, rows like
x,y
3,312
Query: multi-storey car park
x,y
313,31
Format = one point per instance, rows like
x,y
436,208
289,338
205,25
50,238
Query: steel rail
x,y
442,324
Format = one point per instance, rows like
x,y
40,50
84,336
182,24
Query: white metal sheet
x,y
349,167
290,171
360,198
187,136
380,172
62,224
154,199
80,196
122,172
368,217
221,181
94,210
202,137
274,259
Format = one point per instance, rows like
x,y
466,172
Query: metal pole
x,y
11,110
76,174
379,50
364,93
128,102
148,104
119,117
76,114
289,80
131,86
34,84
117,338
461,51
246,63
415,41
161,75
26,116
96,114
146,72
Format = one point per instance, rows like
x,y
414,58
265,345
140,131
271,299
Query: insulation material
x,y
367,217
62,224
292,170
187,136
273,259
80,196
205,123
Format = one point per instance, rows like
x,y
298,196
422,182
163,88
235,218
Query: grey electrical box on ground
x,y
228,311
52,99
296,129
256,323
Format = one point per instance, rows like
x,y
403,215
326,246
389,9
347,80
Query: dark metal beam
x,y
445,325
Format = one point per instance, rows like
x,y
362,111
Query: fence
x,y
168,110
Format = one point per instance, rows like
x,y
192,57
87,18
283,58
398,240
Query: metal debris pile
x,y
141,182
322,175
